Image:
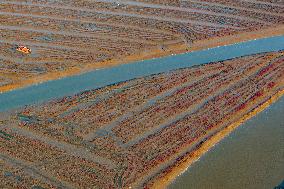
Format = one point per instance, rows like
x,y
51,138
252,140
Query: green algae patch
x,y
5,135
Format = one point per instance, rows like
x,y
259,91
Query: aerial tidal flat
x,y
67,37
136,133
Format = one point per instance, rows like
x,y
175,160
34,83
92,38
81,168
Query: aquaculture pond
x,y
250,157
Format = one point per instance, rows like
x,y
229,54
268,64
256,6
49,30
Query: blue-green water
x,y
251,157
99,78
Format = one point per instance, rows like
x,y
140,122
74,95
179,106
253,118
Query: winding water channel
x,y
99,78
250,157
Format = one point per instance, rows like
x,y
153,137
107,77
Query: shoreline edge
x,y
181,166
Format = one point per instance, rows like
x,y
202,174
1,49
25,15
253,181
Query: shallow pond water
x,y
251,157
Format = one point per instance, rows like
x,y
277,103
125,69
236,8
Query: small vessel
x,y
24,49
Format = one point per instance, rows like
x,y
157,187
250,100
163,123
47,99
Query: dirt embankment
x,y
153,53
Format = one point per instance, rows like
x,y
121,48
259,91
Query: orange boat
x,y
24,49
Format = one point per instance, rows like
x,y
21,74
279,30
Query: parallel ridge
x,y
124,134
66,34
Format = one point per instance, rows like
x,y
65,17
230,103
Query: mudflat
x,y
76,36
138,133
